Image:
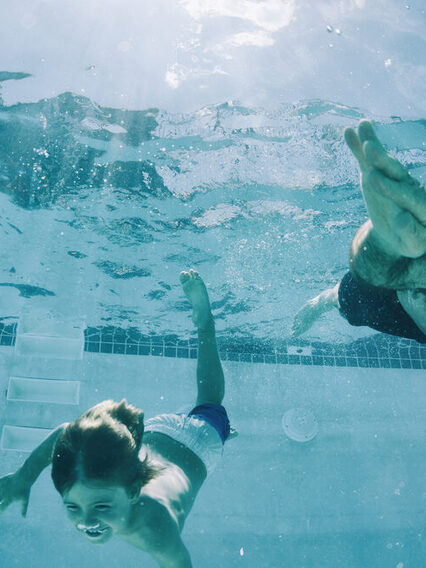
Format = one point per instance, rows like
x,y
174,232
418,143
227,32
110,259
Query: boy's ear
x,y
141,424
134,493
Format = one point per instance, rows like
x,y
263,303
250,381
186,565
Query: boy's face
x,y
98,509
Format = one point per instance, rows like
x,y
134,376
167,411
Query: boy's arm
x,y
173,555
162,540
17,486
41,457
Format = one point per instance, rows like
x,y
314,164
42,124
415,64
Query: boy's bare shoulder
x,y
152,525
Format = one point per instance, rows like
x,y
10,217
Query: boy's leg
x,y
210,378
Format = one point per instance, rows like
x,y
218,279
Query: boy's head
x,y
96,461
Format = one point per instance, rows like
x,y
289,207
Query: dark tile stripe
x,y
378,351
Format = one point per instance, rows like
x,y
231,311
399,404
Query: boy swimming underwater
x,y
119,476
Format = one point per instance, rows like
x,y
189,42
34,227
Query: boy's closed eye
x,y
71,507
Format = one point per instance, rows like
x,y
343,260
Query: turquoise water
x,y
263,203
140,141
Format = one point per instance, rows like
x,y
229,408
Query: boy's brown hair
x,y
103,444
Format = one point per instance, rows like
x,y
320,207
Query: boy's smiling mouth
x,y
93,532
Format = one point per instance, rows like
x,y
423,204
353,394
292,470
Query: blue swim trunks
x,y
378,308
203,431
214,414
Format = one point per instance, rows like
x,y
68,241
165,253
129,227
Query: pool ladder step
x,y
54,337
53,391
22,438
43,334
35,390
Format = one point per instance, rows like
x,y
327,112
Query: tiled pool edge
x,y
376,351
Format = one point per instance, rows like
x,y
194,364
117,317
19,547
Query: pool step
x,y
33,409
43,334
23,439
51,391
49,344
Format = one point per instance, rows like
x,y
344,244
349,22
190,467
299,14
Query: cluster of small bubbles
x,y
397,544
41,152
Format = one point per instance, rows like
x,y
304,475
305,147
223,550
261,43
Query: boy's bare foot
x,y
196,292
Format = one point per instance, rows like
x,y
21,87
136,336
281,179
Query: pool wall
x,y
354,496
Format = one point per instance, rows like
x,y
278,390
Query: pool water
x,y
210,135
255,204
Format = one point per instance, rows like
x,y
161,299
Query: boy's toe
x,y
184,276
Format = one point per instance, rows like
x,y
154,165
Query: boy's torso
x,y
169,497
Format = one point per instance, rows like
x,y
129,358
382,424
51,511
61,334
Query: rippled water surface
x,y
102,207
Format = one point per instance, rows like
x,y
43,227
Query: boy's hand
x,y
14,488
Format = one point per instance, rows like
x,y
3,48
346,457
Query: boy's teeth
x,y
95,531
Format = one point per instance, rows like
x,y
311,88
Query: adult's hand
x,y
313,309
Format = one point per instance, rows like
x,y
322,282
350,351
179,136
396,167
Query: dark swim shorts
x,y
215,415
378,308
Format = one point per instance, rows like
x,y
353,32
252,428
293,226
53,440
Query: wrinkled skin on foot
x,y
396,202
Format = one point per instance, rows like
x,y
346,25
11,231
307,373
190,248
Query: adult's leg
x,y
372,262
210,378
414,304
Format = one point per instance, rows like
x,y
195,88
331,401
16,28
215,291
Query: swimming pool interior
x,y
210,135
